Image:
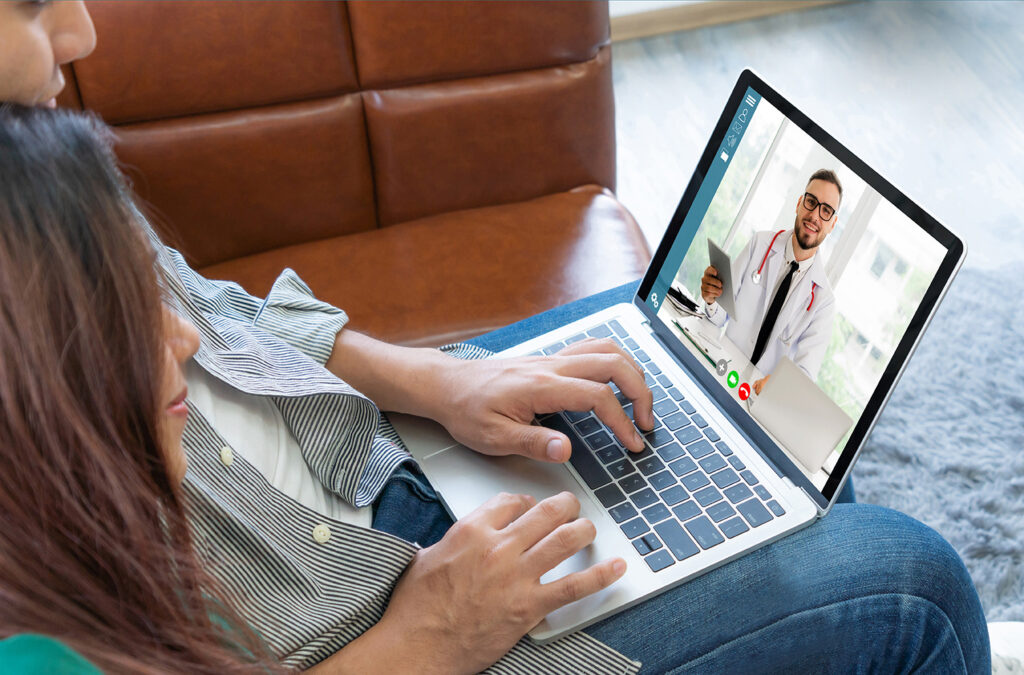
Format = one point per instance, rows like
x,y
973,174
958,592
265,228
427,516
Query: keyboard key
x,y
652,541
641,546
681,546
670,452
660,481
712,435
683,466
634,528
704,532
723,448
536,354
659,561
628,409
720,511
676,420
649,379
686,510
637,456
575,416
633,483
762,492
674,495
665,406
644,498
601,331
575,338
587,426
553,349
754,512
653,369
776,508
695,481
737,493
712,463
631,343
662,379
699,421
688,434
620,469
617,327
656,514
609,495
622,512
724,479
658,393
659,437
736,463
650,465
705,496
699,449
609,454
641,356
598,440
675,394
687,407
582,460
734,527
749,478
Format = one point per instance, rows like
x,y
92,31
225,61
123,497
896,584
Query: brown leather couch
x,y
437,170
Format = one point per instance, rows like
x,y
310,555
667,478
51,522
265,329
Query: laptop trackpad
x,y
466,479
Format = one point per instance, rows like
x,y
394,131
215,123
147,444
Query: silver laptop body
x,y
465,479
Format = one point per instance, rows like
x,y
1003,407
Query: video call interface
x,y
820,277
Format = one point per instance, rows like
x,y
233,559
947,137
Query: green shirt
x,y
37,654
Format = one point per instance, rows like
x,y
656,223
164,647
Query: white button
x,y
226,456
321,533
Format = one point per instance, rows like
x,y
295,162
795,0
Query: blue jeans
x,y
865,589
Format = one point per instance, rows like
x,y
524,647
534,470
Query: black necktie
x,y
773,313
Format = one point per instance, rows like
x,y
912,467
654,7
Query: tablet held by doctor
x,y
784,301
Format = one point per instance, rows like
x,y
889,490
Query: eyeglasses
x,y
811,202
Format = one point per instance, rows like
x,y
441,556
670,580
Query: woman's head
x,y
94,547
36,38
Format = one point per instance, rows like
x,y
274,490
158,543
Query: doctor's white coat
x,y
804,326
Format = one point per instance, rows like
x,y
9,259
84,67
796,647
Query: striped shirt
x,y
307,584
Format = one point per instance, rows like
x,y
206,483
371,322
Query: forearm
x,y
379,650
399,379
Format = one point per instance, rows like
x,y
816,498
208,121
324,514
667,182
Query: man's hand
x,y
710,285
489,405
466,600
759,384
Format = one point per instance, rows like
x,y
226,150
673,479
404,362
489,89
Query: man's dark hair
x,y
829,176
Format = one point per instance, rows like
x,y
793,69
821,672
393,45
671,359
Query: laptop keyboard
x,y
685,492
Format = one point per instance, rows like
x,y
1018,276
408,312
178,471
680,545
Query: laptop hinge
x,y
791,485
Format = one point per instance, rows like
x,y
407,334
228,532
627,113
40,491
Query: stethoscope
x,y
756,276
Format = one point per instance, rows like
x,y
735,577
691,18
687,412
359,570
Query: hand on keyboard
x,y
492,403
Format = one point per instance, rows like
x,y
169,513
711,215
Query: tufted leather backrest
x,y
248,126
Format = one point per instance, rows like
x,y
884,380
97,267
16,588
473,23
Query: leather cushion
x,y
237,183
500,139
160,59
457,275
400,43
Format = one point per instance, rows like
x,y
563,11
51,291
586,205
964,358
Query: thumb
x,y
539,443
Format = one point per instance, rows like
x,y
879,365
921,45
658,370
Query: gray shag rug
x,y
949,448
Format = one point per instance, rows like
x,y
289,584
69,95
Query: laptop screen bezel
x,y
951,262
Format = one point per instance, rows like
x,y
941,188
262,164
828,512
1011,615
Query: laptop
x,y
712,483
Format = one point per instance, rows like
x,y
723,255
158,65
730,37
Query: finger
x,y
564,541
531,440
712,284
543,518
578,585
502,509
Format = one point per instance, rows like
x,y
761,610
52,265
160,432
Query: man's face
x,y
810,228
35,39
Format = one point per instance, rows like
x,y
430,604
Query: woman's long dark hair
x,y
94,545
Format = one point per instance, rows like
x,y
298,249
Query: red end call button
x,y
744,391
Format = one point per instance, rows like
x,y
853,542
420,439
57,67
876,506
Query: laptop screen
x,y
818,280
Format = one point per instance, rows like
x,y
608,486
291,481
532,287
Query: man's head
x,y
816,210
36,38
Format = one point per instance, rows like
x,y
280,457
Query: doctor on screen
x,y
784,302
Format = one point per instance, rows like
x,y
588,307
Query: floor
x,y
927,93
